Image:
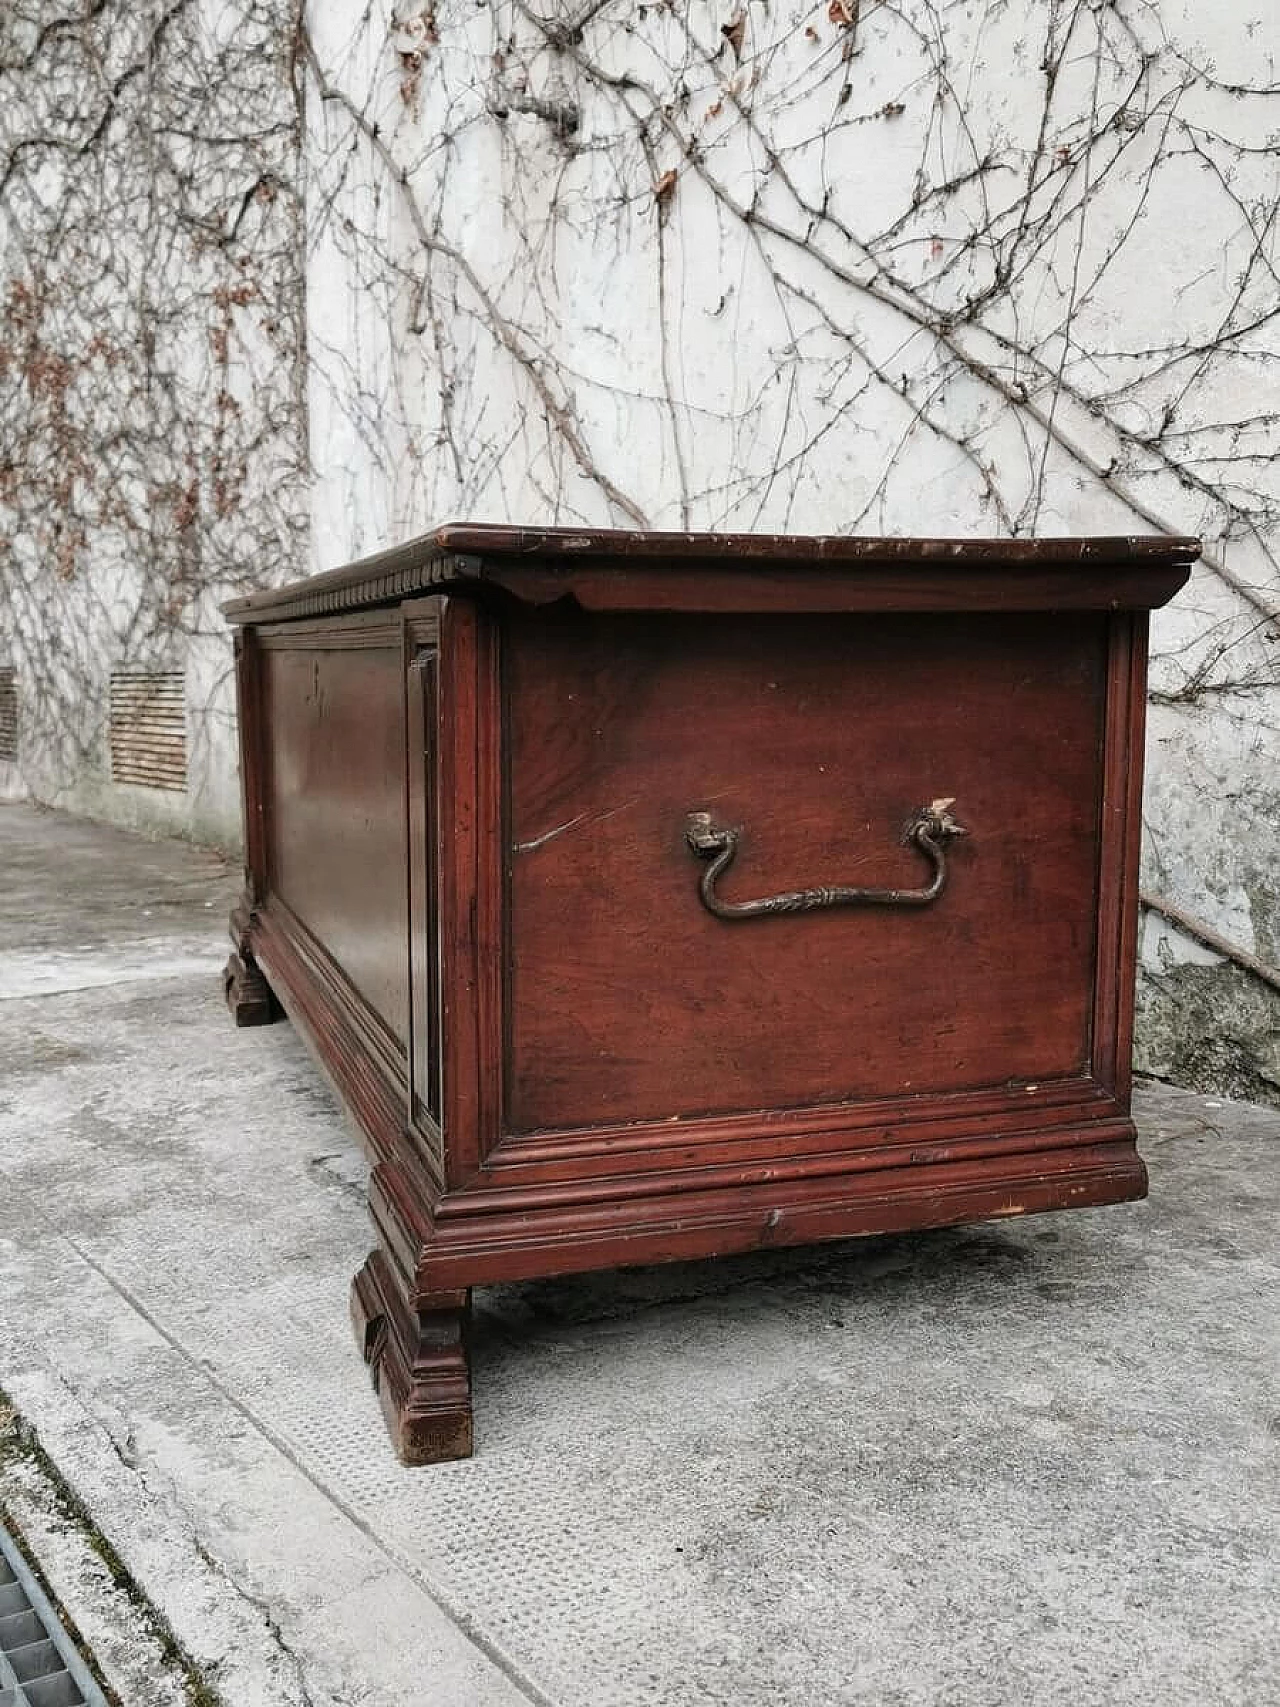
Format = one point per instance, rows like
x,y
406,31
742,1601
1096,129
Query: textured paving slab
x,y
1034,1462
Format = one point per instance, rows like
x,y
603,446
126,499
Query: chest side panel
x,y
335,784
816,738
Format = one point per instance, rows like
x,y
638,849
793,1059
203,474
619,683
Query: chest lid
x,y
610,569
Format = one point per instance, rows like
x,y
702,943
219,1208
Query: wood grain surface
x,y
468,766
335,804
818,738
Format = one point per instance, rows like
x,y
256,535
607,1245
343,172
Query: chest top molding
x,y
612,569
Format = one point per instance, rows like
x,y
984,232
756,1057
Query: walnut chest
x,y
651,896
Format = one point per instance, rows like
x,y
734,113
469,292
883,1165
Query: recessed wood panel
x,y
424,923
817,737
336,805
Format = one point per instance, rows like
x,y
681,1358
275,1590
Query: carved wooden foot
x,y
248,994
419,1361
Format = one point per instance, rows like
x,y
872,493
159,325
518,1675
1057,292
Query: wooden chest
x,y
654,896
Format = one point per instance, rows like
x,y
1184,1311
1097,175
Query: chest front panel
x,y
816,738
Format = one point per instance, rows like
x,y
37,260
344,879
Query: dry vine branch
x,y
913,265
151,341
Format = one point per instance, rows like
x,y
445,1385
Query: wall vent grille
x,y
148,728
8,712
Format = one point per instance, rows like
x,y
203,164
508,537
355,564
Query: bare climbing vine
x,y
906,266
910,266
938,217
151,343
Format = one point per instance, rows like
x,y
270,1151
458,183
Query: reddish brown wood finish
x,y
818,736
422,634
418,1359
468,765
333,786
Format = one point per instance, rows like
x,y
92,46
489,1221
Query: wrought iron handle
x,y
930,830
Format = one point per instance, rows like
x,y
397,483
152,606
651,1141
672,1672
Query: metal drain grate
x,y
39,1665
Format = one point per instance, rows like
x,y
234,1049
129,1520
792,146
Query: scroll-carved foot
x,y
248,994
419,1361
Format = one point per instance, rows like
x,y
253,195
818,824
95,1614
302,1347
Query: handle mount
x,y
929,830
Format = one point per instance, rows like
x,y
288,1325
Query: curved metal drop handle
x,y
930,830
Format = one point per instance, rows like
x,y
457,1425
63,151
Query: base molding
x,y
522,1239
418,1357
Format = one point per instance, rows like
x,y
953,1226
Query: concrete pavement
x,y
1033,1462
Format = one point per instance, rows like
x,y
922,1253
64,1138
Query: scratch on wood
x,y
570,824
549,836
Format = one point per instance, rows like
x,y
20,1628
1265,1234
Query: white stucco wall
x,y
152,431
922,266
910,268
